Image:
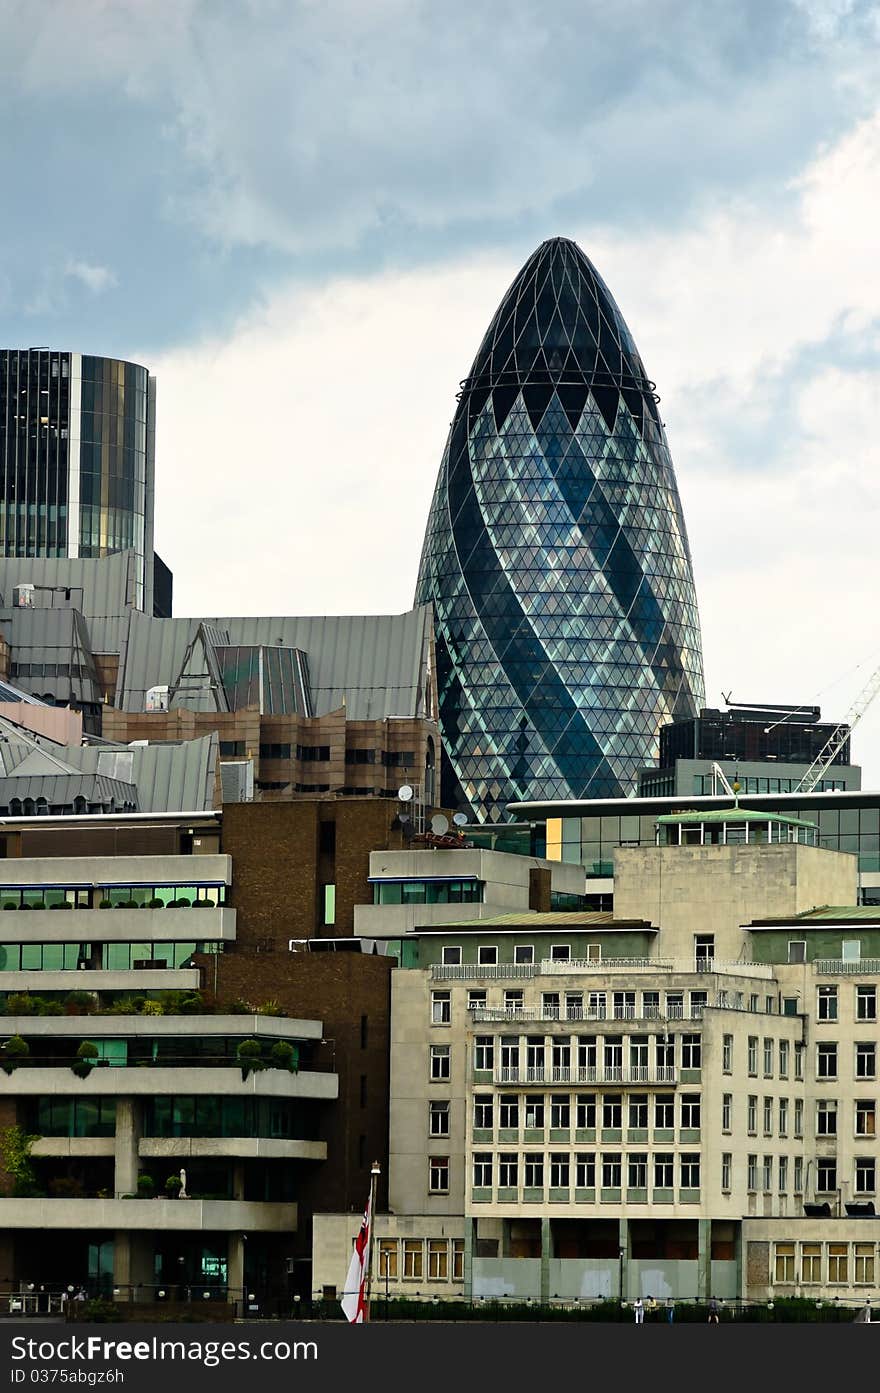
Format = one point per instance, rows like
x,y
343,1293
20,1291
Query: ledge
x,y
153,1080
117,925
139,1215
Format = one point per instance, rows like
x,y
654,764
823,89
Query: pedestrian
x,y
670,1310
639,1309
713,1311
651,1305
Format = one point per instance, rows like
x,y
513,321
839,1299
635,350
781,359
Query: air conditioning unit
x,y
156,699
23,596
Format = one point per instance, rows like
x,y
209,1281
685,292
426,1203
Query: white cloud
x,y
94,278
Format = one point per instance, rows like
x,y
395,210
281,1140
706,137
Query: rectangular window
x,y
783,1117
438,1119
799,1061
574,1006
797,950
550,1006
664,1111
560,1111
753,1056
726,1160
483,1112
441,1008
811,1264
783,1175
559,1170
413,1258
484,1053
534,1114
508,1170
586,1111
838,1263
534,1172
768,1174
826,1117
864,1264
799,1117
726,1111
866,1117
585,1170
752,1115
637,1170
826,1003
691,1052
487,955
438,1260
587,1054
388,1257
476,998
727,1054
452,955
690,1110
638,1112
561,1056
439,1062
768,1117
513,1002
783,1059
458,1259
768,1059
784,1263
560,952
482,1170
624,1006
611,1170
799,1175
826,1175
509,1052
438,1175
753,1173
664,1164
866,1003
866,1060
535,1055
826,1060
612,1111
866,1175
524,953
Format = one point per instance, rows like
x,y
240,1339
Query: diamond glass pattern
x,y
556,555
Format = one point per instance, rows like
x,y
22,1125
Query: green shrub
x,y
271,1008
100,1311
284,1055
14,1051
16,1146
22,1004
146,1186
86,1054
249,1055
78,998
173,1186
105,904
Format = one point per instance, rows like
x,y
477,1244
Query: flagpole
x,y
374,1179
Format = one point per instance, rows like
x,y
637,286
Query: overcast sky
x,y
301,215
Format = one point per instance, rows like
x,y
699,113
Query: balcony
x,y
637,1075
148,1081
507,1015
199,1024
478,972
103,980
702,967
838,967
250,1148
215,925
138,1215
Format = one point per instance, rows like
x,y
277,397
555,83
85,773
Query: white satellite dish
x,y
439,825
405,793
460,819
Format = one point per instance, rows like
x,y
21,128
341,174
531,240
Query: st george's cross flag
x,y
354,1297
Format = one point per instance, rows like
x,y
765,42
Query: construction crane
x,y
840,734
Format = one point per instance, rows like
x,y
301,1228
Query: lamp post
x,y
622,1255
375,1172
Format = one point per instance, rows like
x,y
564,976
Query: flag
x,y
353,1298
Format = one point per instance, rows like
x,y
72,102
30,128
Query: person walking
x,y
670,1310
713,1311
639,1309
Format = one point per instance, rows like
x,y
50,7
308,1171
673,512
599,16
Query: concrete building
x,y
668,1101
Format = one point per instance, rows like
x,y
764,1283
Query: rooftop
x,y
596,921
736,814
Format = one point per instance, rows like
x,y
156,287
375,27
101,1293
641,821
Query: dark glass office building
x,y
556,555
76,458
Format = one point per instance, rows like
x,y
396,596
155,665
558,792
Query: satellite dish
x,y
439,825
405,793
460,819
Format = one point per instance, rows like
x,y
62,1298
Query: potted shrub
x,y
20,1004
155,903
173,1186
86,1055
250,1057
78,1003
146,1187
105,904
15,1051
284,1055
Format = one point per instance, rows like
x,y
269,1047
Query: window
x,y
508,1170
704,951
783,1059
613,1056
509,1052
826,1175
799,1175
638,1112
864,1264
768,1059
726,1159
612,1112
797,950
624,1005
476,999
441,1008
534,1114
768,1174
838,1255
866,1117
398,759
664,1163
534,1172
753,1055
799,1117
664,1111
278,751
784,1263
311,754
651,1005
768,1117
726,1111
691,1052
574,1006
360,756
483,1111
438,1119
560,1112
826,1003
513,1002
783,1175
799,1061
594,952
826,1060
866,1060
452,955
690,1110
439,1062
535,1054
585,1170
866,1175
559,1170
586,1111
438,1175
753,1173
561,1055
727,1054
611,1170
866,1003
811,1264
438,1260
826,1117
508,1111
484,1053
783,1117
637,1170
587,1053
524,953
550,1006
675,1005
487,955
560,952
752,1115
597,1005
851,950
413,1257
482,1170
388,1257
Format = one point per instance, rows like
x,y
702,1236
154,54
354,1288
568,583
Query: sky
x,y
302,214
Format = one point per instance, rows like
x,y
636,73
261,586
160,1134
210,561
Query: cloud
x,y
94,278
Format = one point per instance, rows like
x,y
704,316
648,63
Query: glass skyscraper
x,y
556,555
76,458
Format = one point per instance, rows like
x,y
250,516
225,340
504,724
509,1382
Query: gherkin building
x,y
556,556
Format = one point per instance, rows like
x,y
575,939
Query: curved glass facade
x,y
556,555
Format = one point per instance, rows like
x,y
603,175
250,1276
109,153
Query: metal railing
x,y
840,967
574,1016
591,1074
472,972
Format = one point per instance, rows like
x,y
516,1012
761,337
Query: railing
x,y
839,967
573,1015
597,1075
703,966
472,972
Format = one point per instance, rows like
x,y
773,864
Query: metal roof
x,y
725,815
100,586
594,921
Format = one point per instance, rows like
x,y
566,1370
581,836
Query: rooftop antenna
x,y
439,825
460,819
